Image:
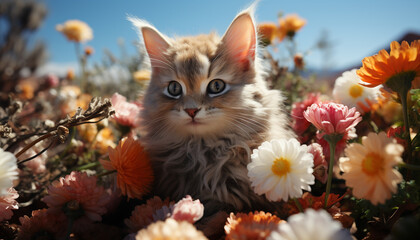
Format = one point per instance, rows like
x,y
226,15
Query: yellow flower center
x,y
372,164
281,166
356,91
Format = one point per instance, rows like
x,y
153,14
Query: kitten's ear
x,y
155,42
240,40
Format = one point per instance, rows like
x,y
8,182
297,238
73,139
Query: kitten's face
x,y
197,81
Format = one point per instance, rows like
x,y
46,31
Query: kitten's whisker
x,y
249,126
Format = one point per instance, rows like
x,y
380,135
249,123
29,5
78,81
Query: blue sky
x,y
357,28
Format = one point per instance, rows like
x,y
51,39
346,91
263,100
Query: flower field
x,y
73,166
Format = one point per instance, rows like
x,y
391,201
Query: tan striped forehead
x,y
191,55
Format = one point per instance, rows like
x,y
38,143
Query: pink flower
x,y
52,80
155,209
51,225
397,133
77,191
7,203
126,113
188,210
36,165
320,165
300,124
332,118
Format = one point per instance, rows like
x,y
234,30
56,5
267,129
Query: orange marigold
x,y
402,61
257,225
289,25
134,171
267,32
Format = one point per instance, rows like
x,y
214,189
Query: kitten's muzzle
x,y
192,111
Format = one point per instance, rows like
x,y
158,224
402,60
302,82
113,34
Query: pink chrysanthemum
x,y
154,210
77,191
300,124
320,165
188,210
332,118
126,113
51,225
7,203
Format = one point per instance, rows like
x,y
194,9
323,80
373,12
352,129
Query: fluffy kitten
x,y
206,108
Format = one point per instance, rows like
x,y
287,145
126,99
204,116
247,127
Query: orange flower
x,y
267,32
402,61
298,60
309,201
134,172
257,225
289,25
88,51
70,74
26,89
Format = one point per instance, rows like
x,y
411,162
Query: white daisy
x,y
349,92
8,171
314,225
280,169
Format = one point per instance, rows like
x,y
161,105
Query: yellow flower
x,y
267,32
289,25
402,61
142,75
369,167
76,31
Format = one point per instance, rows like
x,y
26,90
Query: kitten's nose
x,y
192,111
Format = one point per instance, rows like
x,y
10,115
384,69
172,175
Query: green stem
x,y
410,166
403,95
106,173
82,62
87,166
69,227
298,205
332,140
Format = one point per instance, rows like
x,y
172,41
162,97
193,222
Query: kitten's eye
x,y
174,89
216,87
